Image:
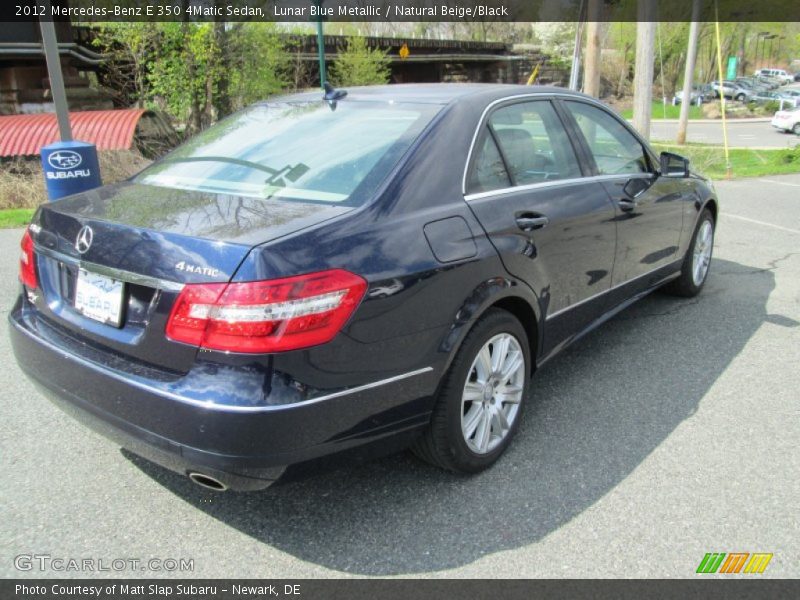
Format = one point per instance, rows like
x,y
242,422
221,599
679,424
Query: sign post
x,y
69,166
731,73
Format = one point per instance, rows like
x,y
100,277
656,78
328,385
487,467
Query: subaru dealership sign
x,y
69,168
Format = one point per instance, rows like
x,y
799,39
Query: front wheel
x,y
694,270
479,406
796,129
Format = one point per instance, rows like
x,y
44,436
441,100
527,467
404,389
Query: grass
x,y
673,112
745,162
22,186
15,217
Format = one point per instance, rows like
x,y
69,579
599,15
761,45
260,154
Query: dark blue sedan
x,y
355,272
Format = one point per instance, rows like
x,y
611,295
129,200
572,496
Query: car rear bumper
x,y
245,448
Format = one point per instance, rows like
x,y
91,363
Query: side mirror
x,y
673,165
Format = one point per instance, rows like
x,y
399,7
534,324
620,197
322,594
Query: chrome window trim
x,y
553,183
611,289
537,96
113,273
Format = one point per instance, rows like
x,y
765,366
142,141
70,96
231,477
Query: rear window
x,y
296,151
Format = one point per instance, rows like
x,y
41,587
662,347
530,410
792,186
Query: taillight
x,y
266,316
27,266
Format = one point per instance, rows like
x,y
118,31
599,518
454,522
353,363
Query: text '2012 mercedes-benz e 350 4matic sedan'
x,y
371,270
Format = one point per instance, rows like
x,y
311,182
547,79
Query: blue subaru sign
x,y
69,168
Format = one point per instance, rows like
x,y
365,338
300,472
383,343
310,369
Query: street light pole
x,y
321,48
50,45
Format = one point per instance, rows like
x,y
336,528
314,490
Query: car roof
x,y
434,93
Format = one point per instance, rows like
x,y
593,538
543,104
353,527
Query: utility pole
x,y
591,70
688,73
576,50
644,66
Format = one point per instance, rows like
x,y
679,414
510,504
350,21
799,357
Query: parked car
x,y
770,82
764,97
787,120
731,89
351,273
699,94
752,84
780,74
791,95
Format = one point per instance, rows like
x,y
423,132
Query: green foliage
x,y
262,63
791,156
15,217
745,162
196,72
672,112
360,65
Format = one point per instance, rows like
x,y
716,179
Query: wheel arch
x,y
711,204
503,293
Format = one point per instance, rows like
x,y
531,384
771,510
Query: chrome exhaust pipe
x,y
207,482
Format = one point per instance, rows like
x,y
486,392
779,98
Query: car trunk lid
x,y
153,240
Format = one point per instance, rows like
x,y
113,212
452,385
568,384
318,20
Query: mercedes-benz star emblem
x,y
84,240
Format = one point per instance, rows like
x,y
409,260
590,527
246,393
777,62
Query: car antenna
x,y
331,95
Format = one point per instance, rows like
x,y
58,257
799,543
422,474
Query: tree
x,y
591,71
688,77
357,64
195,72
644,69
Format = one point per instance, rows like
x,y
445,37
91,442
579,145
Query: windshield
x,y
296,151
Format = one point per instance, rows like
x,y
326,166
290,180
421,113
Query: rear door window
x,y
523,144
489,170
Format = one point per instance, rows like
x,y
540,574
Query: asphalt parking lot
x,y
745,133
670,432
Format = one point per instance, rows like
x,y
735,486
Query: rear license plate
x,y
99,297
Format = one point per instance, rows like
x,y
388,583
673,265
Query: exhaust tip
x,y
208,482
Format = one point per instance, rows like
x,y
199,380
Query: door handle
x,y
626,205
531,221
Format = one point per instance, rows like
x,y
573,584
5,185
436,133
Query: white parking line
x,y
765,224
780,182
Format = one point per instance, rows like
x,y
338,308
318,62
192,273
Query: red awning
x,y
24,135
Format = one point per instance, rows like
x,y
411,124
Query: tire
x,y
796,129
688,284
444,443
740,98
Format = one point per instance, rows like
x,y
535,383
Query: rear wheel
x,y
697,260
479,406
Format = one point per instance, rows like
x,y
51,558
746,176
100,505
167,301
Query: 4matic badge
x,y
190,268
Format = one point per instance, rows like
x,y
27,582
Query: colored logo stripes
x,y
734,562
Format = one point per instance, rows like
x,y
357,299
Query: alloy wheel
x,y
492,393
702,252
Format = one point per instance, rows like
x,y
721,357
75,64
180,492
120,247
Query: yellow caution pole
x,y
722,95
534,74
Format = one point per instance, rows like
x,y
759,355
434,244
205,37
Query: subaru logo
x,y
64,159
84,239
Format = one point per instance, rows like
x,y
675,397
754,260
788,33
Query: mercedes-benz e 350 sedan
x,y
364,271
